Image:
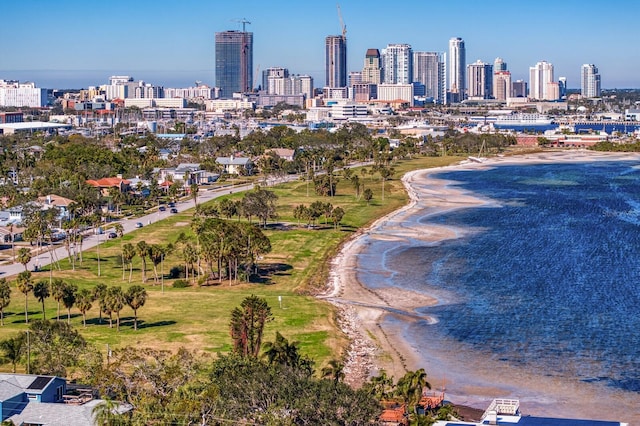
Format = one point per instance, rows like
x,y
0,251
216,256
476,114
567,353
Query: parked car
x,y
162,208
112,235
172,204
138,224
174,210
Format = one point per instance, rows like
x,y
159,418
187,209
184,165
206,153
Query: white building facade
x,y
16,94
457,67
398,64
480,76
589,81
541,83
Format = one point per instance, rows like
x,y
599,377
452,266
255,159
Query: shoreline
x,y
367,315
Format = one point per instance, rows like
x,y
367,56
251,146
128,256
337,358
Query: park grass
x,y
198,317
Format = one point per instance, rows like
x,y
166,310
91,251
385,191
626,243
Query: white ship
x,y
522,119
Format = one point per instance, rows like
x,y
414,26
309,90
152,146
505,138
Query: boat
x,y
523,120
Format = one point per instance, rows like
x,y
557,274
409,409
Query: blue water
x,y
549,277
609,128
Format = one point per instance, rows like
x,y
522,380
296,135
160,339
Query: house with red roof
x,y
109,183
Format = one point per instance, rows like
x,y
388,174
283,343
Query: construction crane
x,y
342,25
244,22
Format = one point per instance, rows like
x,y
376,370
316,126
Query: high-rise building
x,y
16,94
397,64
272,80
589,81
499,65
501,85
355,77
372,70
519,89
480,75
428,70
541,82
234,62
562,85
457,67
336,61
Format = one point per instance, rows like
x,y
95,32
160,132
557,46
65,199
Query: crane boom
x,y
244,22
342,25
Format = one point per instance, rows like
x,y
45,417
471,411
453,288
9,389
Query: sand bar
x,y
378,345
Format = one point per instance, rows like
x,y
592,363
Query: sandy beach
x,y
367,314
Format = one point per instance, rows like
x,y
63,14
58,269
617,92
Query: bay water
x,y
543,278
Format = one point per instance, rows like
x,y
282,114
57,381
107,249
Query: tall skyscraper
x,y
457,67
397,64
541,83
480,80
234,62
589,81
336,61
428,70
562,85
501,85
372,70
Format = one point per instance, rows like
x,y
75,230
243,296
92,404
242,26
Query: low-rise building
x,y
235,165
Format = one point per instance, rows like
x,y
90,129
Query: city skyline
x,y
173,45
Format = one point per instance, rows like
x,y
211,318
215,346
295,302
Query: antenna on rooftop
x,y
244,22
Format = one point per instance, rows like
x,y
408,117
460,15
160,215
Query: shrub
x,y
181,284
177,272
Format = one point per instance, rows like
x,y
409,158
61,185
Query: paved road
x,y
129,225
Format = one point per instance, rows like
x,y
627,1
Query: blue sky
x,y
76,43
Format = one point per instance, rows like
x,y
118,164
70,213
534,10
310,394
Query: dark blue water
x,y
607,127
549,279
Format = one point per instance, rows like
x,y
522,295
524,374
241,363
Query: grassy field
x,y
197,317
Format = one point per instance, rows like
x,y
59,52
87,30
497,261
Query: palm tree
x,y
120,232
41,292
115,302
12,349
193,190
69,295
84,301
128,253
282,352
142,250
99,293
333,370
25,285
136,297
24,256
57,291
5,297
410,387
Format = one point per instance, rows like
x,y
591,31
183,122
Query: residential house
x,y
187,173
235,165
61,203
27,399
107,184
284,153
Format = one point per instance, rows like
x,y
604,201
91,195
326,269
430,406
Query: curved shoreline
x,y
376,344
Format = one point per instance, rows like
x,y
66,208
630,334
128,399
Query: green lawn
x,y
198,317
